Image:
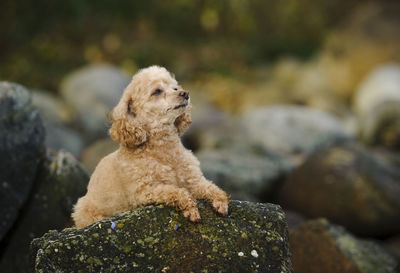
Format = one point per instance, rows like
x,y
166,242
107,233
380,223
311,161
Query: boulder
x,y
253,238
209,127
21,146
243,173
393,245
51,107
61,137
348,185
57,118
92,92
96,151
60,181
292,130
318,246
377,104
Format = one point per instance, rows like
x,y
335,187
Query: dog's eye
x,y
175,89
157,92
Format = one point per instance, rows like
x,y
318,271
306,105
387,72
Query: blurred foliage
x,y
43,40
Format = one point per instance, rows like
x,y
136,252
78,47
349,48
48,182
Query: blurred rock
x,y
60,181
254,238
21,146
293,219
348,185
92,92
209,127
57,117
52,109
59,137
317,246
292,130
377,104
393,245
244,174
92,155
370,37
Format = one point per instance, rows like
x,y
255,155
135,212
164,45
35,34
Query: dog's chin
x,y
182,105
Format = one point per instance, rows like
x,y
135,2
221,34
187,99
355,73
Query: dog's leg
x,y
204,189
172,196
86,213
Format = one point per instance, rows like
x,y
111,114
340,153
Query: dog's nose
x,y
184,94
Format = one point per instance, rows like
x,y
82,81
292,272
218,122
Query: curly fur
x,y
151,164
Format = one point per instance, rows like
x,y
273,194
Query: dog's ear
x,y
183,122
125,129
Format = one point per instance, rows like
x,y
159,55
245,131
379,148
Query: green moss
x,y
148,237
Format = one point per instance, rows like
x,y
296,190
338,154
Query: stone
x,y
253,175
61,137
377,104
348,185
393,245
209,127
318,246
253,238
21,146
57,119
92,92
52,109
292,130
60,181
96,151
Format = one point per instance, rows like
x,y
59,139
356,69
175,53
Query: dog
x,y
151,165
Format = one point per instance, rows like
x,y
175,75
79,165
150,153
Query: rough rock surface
x,y
92,92
377,104
254,238
317,246
348,185
244,172
60,181
290,130
21,144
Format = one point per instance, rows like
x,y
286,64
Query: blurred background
x,y
296,102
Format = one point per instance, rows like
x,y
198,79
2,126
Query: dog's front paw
x,y
192,214
221,207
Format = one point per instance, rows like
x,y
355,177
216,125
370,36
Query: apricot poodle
x,y
151,165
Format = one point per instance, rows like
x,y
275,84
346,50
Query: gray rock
x,y
253,238
317,246
57,117
253,175
60,181
96,151
60,137
209,127
291,130
21,146
52,108
348,185
92,92
377,104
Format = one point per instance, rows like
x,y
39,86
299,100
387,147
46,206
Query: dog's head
x,y
153,100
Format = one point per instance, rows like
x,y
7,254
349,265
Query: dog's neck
x,y
163,136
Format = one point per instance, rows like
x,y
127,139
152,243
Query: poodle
x,y
151,165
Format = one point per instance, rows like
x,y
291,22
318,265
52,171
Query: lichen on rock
x,y
160,239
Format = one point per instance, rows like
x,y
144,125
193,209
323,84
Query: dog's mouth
x,y
181,105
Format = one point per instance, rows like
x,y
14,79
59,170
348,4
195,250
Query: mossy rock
x,y
348,185
319,246
60,181
253,238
